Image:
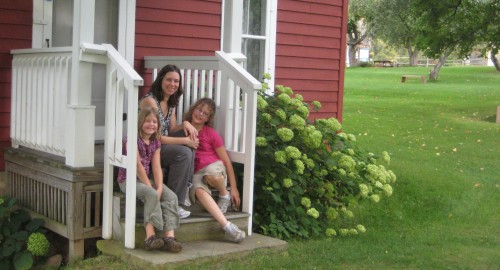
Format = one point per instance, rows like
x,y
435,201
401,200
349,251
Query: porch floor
x,y
197,251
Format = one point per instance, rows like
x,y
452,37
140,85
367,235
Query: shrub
x,y
309,175
16,226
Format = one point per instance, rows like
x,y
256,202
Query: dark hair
x,y
188,116
145,112
157,91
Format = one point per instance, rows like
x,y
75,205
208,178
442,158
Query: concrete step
x,y
200,225
194,251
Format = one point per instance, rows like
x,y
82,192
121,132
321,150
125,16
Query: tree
x,y
356,30
394,22
492,31
449,25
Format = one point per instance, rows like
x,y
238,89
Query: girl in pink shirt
x,y
213,169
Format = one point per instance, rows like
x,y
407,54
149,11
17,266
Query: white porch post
x,y
232,26
126,29
232,29
80,117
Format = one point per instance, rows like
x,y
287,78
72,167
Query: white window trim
x,y
232,37
270,58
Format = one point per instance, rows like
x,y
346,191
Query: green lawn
x,y
445,149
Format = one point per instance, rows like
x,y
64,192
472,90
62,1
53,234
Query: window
x,y
259,36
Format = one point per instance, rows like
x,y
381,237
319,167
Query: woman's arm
x,y
235,194
157,173
189,130
180,140
141,172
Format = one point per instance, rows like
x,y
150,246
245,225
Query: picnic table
x,y
384,63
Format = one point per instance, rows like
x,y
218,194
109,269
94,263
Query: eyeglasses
x,y
201,112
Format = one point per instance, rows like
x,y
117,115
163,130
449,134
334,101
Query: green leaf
x,y
23,261
5,264
331,162
20,235
276,198
9,247
35,224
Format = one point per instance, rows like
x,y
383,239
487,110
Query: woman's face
x,y
170,83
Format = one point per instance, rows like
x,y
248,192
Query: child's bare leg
x,y
217,181
150,230
211,206
169,234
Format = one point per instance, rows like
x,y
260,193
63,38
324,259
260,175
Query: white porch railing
x,y
41,84
122,83
41,80
40,89
235,93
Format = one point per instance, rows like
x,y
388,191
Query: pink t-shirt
x,y
205,153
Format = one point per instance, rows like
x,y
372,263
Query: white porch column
x,y
232,26
80,115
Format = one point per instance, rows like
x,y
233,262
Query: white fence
x,y
40,88
427,62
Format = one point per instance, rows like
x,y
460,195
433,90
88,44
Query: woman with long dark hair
x,y
179,140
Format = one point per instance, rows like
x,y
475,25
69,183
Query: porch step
x,y
194,251
200,225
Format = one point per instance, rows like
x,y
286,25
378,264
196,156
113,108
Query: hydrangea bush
x,y
309,175
22,238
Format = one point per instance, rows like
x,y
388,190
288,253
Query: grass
x,y
445,149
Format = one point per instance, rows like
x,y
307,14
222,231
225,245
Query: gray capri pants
x,y
162,214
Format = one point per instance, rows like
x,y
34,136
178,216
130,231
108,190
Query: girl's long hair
x,y
188,116
157,91
142,118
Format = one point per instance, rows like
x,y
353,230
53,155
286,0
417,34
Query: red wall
x,y
15,33
310,51
175,28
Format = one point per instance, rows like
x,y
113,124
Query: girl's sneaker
x,y
223,203
153,243
171,245
233,233
183,213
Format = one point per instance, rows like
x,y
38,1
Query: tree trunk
x,y
352,55
412,56
433,76
494,59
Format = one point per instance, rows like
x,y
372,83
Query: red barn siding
x,y
175,27
15,33
310,51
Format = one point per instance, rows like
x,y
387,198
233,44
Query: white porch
x,y
52,117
